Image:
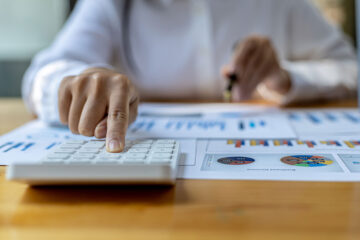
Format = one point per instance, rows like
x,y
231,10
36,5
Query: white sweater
x,y
175,48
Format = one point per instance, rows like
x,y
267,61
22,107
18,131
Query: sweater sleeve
x,y
320,60
87,40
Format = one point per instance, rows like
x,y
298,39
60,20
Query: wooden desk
x,y
194,209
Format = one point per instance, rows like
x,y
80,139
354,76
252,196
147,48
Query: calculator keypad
x,y
163,151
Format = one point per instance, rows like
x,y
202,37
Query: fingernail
x,y
115,146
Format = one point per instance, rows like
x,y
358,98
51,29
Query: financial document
x,y
209,121
301,160
229,141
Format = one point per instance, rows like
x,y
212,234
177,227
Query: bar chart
x,y
324,123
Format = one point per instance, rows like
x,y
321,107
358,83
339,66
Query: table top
x,y
193,209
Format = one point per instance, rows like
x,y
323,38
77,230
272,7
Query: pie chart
x,y
306,160
239,160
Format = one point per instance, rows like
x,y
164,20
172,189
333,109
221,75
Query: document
x,y
228,141
300,160
209,121
325,122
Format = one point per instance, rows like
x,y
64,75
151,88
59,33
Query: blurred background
x,y
27,26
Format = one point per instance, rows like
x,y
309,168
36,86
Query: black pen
x,y
230,83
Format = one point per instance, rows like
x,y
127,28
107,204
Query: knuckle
x,y
97,86
265,41
67,79
64,85
117,115
122,82
78,84
97,75
258,40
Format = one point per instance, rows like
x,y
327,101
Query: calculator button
x,y
163,150
164,145
82,154
141,145
99,144
138,150
147,141
88,150
161,155
64,150
165,141
113,156
82,157
75,141
70,146
110,155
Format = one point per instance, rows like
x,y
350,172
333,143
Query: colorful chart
x,y
238,143
306,161
235,160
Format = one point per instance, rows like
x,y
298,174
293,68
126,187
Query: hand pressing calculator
x,y
87,162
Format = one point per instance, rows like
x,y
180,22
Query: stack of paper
x,y
221,141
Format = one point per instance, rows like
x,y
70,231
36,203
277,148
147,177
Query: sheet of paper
x,y
221,159
328,122
209,121
313,145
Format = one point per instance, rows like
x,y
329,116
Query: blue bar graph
x,y
351,117
193,124
51,145
27,146
5,144
17,145
294,116
313,118
241,126
231,114
146,125
330,117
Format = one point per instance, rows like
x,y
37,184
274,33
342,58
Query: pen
x,y
230,83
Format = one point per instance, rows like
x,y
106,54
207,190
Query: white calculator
x,y
87,162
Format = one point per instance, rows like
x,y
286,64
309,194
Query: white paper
x,y
329,163
326,122
209,121
264,153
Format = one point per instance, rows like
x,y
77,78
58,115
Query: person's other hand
x,y
99,102
255,61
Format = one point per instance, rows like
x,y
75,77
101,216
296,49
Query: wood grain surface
x,y
193,209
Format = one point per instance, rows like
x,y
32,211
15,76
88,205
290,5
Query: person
x,y
111,53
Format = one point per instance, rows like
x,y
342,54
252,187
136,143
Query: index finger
x,y
118,117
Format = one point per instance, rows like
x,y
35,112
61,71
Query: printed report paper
x,y
229,141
